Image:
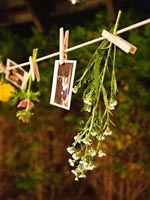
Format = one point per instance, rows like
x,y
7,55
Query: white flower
x,y
92,152
77,138
70,150
88,102
101,138
90,167
74,172
76,178
75,157
83,163
82,176
86,141
71,162
112,105
94,133
88,109
107,132
101,153
86,166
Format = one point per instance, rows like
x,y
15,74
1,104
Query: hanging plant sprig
x,y
26,96
99,98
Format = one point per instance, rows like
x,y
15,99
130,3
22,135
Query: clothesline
x,y
144,22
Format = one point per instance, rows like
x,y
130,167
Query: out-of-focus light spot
x,y
74,1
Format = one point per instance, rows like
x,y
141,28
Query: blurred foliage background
x,y
33,157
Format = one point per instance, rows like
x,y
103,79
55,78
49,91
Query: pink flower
x,y
24,103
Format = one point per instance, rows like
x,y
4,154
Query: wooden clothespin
x,y
33,66
119,42
63,45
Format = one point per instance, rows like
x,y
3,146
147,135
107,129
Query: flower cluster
x,y
25,114
112,105
83,164
6,92
26,99
86,146
83,158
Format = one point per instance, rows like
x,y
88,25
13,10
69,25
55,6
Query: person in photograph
x,y
65,90
16,76
58,99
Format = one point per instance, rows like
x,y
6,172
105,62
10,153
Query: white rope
x,y
144,22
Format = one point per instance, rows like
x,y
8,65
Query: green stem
x,y
117,22
28,91
114,58
103,74
2,78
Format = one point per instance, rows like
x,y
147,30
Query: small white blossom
x,y
112,105
87,166
101,138
86,141
92,152
76,178
94,133
83,163
101,153
70,150
107,132
77,138
90,167
88,109
88,102
75,157
74,172
82,176
71,162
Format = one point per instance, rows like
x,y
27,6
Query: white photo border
x,y
64,100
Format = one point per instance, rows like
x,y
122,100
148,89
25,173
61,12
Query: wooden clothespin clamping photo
x,y
119,42
33,66
63,45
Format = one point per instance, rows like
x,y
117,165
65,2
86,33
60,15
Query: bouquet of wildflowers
x,y
99,98
24,98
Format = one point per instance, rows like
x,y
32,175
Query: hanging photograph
x,y
63,78
16,76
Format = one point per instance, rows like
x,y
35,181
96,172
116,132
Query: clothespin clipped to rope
x,y
63,45
119,42
33,66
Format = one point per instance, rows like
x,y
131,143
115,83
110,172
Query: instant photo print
x,y
16,76
63,78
